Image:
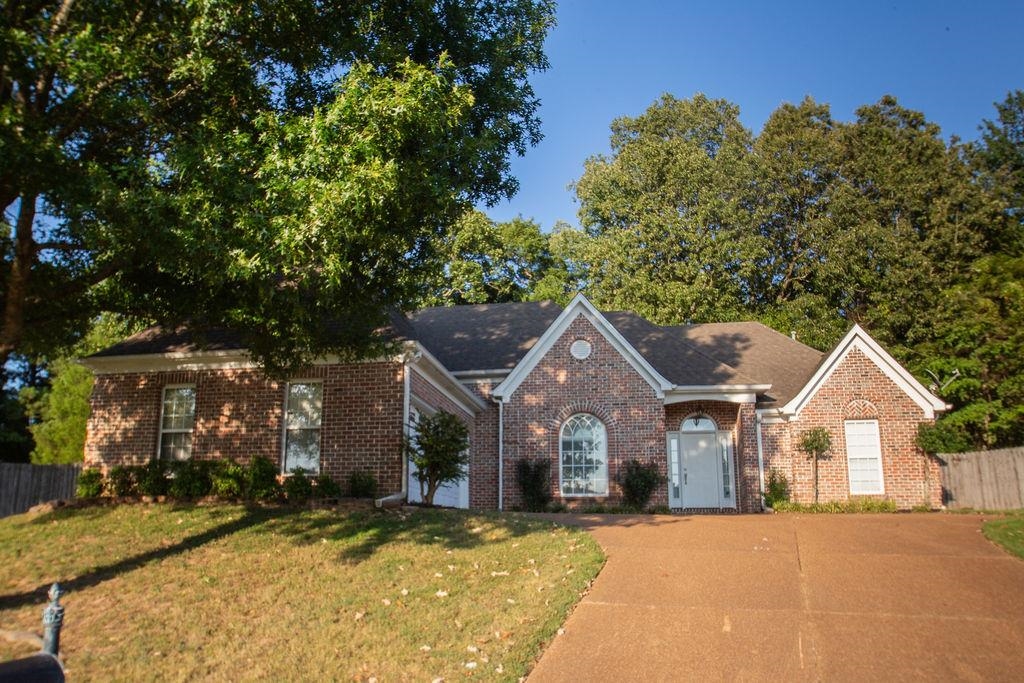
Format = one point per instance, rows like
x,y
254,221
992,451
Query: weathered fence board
x,y
984,480
22,486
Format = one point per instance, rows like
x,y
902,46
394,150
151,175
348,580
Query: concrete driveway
x,y
794,597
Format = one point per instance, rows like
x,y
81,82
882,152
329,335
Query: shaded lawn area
x,y
1008,532
174,592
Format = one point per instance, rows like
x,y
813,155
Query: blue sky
x,y
950,60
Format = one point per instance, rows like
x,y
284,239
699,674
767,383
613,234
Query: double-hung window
x,y
177,419
864,457
303,410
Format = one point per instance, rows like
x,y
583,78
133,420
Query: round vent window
x,y
580,349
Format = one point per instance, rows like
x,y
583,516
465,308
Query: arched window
x,y
698,423
584,460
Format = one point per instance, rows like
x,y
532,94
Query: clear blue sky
x,y
950,60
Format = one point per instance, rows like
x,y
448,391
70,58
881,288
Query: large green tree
x,y
283,168
488,262
666,213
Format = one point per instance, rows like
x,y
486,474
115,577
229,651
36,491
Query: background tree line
x,y
809,226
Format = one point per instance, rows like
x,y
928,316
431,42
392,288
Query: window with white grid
x,y
864,457
583,457
302,427
177,419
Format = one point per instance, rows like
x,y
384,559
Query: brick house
x,y
715,406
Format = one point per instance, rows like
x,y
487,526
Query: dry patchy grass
x,y
229,593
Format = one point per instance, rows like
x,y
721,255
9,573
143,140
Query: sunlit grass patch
x,y
178,593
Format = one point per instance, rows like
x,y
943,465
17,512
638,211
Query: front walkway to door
x,y
794,597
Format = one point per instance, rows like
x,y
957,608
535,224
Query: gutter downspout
x,y
501,455
403,495
760,455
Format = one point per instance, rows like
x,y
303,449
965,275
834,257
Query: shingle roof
x,y
483,336
497,336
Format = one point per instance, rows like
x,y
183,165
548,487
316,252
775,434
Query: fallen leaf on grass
x,y
441,594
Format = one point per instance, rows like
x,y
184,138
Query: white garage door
x,y
452,495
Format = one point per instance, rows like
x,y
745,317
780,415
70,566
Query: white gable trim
x,y
577,307
857,338
434,373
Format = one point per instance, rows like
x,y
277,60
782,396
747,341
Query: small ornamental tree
x,y
816,443
440,452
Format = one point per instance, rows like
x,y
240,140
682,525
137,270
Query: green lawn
x,y
1008,532
227,593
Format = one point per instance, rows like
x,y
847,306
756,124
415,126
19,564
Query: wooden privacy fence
x,y
984,480
22,486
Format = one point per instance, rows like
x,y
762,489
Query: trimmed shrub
x,y
90,484
440,452
152,478
227,479
854,505
261,480
122,481
639,481
534,479
190,479
362,484
776,489
298,488
325,487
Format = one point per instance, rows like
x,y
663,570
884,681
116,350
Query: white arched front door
x,y
700,466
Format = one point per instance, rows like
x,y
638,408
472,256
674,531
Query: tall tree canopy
x,y
815,224
488,262
282,168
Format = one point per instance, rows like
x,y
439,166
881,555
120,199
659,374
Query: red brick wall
x,y
857,389
483,485
238,415
604,385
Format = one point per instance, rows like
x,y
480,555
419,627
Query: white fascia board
x,y
580,305
729,393
163,362
773,416
430,368
481,375
857,338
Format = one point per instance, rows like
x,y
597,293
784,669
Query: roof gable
x,y
860,340
580,305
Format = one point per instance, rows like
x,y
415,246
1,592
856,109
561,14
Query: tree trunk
x,y
814,465
18,279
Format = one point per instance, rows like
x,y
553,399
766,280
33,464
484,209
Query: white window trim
x,y
607,472
284,427
161,431
849,471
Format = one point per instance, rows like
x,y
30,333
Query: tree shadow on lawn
x,y
368,532
364,532
252,517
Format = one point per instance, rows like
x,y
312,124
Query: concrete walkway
x,y
794,597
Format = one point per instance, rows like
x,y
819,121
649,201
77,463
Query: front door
x,y
700,470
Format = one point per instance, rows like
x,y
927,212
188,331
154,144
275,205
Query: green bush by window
x,y
152,478
227,479
325,487
298,488
534,479
190,479
639,481
261,480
